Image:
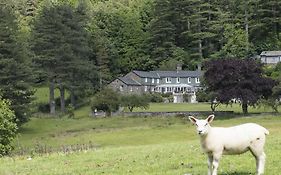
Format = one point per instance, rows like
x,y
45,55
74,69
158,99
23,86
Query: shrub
x,y
203,96
135,101
8,127
155,98
106,100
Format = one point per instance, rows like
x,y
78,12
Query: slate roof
x,y
145,74
129,81
180,74
271,53
161,74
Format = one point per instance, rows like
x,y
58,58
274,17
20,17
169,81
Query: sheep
x,y
216,141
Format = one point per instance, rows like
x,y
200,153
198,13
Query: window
x,y
145,80
152,81
131,89
197,80
168,80
178,80
189,80
158,81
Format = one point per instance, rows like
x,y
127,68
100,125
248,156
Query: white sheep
x,y
216,141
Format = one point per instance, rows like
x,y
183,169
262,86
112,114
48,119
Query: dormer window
x,y
168,80
178,80
152,81
158,81
189,80
197,80
145,80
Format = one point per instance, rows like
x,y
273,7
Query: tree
x,y
134,101
62,51
15,72
274,100
8,127
237,44
106,100
240,79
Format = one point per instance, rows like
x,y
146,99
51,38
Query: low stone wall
x,y
175,113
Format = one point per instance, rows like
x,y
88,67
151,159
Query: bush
x,y
135,101
203,96
167,95
155,98
8,127
106,100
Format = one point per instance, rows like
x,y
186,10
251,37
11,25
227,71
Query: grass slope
x,y
134,146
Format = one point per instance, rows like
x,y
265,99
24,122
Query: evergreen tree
x,y
62,51
15,72
162,31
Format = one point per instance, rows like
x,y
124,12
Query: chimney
x,y
179,67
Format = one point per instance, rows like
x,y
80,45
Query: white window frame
x,y
145,80
178,80
152,81
189,80
197,80
158,81
168,80
131,88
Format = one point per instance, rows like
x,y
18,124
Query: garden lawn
x,y
128,145
168,107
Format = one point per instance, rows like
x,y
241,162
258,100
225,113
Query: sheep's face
x,y
202,126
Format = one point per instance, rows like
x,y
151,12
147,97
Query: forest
x,y
79,46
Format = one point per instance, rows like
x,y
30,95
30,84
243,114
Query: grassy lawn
x,y
127,145
156,107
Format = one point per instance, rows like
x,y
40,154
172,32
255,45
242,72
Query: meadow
x,y
128,145
131,145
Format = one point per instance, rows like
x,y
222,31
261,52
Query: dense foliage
x,y
82,45
135,101
106,100
8,127
237,79
15,73
62,51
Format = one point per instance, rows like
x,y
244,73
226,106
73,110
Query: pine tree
x,y
15,72
162,32
62,51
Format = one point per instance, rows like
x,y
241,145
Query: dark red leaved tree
x,y
240,79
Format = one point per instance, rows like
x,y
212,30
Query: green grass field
x,y
127,145
131,145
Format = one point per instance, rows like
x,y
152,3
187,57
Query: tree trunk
x,y
62,98
72,98
52,102
245,107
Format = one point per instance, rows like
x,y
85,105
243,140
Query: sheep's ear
x,y
210,118
192,119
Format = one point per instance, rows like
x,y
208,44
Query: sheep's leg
x,y
216,158
260,163
256,149
210,163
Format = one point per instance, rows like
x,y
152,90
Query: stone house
x,y
176,82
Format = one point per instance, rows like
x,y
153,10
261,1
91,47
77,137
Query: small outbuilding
x,y
270,57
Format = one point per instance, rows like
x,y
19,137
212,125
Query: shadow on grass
x,y
237,173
